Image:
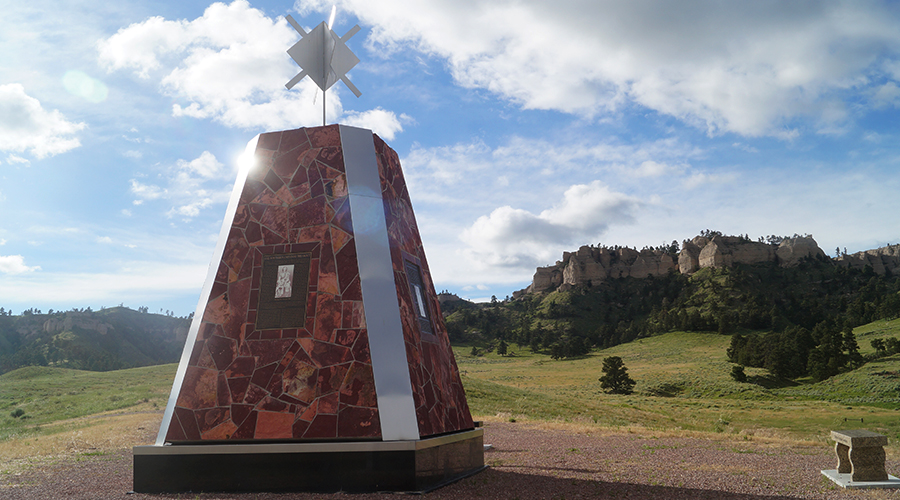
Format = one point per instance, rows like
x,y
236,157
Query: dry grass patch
x,y
86,436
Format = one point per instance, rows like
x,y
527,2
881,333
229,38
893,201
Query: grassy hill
x,y
683,385
107,339
49,398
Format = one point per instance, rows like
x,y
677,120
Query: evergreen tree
x,y
615,379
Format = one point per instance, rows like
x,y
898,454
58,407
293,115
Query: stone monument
x,y
318,359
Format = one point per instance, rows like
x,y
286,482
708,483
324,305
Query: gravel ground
x,y
529,462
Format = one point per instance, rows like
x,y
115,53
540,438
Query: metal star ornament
x,y
323,56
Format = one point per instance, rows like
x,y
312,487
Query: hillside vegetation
x,y
684,383
808,311
47,399
109,339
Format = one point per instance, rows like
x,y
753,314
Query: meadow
x,y
683,387
684,384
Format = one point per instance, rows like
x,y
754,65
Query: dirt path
x,y
528,462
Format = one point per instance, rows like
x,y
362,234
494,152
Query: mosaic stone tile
x,y
313,380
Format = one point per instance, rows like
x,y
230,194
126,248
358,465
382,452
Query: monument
x,y
317,359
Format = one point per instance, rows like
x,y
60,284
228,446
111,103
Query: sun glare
x,y
247,160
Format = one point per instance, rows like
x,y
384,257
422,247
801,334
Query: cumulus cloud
x,y
229,65
190,185
384,123
26,126
513,237
752,68
15,264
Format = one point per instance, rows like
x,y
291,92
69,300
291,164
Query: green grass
x,y
49,395
683,382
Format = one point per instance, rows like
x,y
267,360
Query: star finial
x,y
323,56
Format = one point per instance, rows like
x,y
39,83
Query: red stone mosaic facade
x,y
437,390
314,381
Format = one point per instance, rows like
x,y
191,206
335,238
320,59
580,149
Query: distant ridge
x,y
591,265
108,339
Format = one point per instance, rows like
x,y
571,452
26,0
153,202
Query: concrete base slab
x,y
844,481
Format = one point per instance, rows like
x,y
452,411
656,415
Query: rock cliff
x,y
73,319
881,260
592,265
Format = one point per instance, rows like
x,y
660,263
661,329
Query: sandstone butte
x,y
592,265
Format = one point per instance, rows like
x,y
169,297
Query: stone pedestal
x,y
861,454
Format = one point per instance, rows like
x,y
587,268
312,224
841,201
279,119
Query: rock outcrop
x,y
72,319
592,265
881,260
793,250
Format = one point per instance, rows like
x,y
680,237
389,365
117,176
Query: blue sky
x,y
525,128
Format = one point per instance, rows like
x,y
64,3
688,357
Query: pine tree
x,y
615,379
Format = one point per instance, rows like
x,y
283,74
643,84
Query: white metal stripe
x,y
245,164
396,408
332,447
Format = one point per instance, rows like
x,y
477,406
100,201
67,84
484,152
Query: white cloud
x,y
134,155
512,237
384,123
752,68
652,168
104,239
206,165
134,280
2,242
146,191
698,179
14,159
229,65
887,95
745,147
191,185
15,264
26,126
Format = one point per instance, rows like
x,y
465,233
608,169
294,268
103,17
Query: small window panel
x,y
420,305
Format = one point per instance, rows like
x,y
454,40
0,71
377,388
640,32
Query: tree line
x,y
792,321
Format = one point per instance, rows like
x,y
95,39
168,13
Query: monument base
x,y
358,466
845,481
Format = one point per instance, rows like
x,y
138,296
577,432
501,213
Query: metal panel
x,y
348,446
396,409
245,165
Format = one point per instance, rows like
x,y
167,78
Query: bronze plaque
x,y
283,291
417,290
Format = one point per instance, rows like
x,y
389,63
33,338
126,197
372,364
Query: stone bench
x,y
861,454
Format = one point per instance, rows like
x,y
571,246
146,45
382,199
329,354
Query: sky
x,y
525,128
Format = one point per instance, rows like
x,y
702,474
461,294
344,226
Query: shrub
x,y
737,373
18,412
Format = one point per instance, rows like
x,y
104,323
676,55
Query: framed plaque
x,y
283,291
